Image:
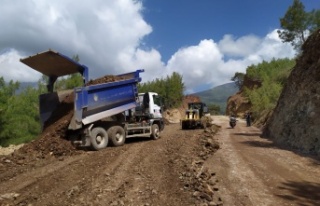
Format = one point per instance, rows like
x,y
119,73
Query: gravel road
x,y
184,167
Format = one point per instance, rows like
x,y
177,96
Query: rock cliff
x,y
296,119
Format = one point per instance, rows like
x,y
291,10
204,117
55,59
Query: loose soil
x,y
168,171
184,167
255,171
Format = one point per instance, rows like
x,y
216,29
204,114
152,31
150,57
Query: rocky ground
x,y
168,171
256,171
216,166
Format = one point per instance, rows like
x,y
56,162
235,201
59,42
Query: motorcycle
x,y
233,122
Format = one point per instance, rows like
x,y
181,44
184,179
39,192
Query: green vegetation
x,y
19,119
170,88
214,109
273,76
238,79
296,22
19,108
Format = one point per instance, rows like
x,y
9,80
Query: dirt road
x,y
181,168
254,171
168,171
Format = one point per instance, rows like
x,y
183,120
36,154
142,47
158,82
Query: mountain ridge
x,y
218,95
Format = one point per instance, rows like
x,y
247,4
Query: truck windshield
x,y
157,100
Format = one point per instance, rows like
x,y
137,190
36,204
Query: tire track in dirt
x,y
254,171
168,171
229,163
26,179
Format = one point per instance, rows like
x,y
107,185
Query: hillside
x,y
218,95
295,121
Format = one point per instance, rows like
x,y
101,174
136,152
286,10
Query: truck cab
x,y
151,104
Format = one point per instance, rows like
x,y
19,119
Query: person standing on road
x,y
248,119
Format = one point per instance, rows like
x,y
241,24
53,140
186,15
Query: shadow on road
x,y
248,134
137,139
302,193
270,144
261,144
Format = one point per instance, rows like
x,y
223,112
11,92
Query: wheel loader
x,y
193,115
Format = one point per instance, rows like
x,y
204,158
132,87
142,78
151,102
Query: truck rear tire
x,y
99,138
117,135
155,132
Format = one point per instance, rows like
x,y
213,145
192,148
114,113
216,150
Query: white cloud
x,y
12,69
99,35
197,64
206,63
239,47
108,39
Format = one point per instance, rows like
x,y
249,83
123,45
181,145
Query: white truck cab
x,y
151,103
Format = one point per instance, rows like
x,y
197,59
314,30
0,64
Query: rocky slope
x,y
295,121
239,104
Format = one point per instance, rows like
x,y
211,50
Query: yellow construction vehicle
x,y
193,115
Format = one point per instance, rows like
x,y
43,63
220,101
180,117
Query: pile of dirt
x,y
106,79
53,140
173,116
197,178
10,149
295,121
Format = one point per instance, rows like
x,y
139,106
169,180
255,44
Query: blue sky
x,y
206,41
183,23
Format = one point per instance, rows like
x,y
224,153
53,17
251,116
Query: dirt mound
x,y
173,116
53,140
106,79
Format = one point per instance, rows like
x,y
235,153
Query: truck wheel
x,y
99,138
155,132
117,135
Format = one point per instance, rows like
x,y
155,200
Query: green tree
x,y
238,79
22,113
214,109
314,20
7,94
296,22
273,76
171,89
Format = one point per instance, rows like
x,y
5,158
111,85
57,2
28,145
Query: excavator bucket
x,y
53,65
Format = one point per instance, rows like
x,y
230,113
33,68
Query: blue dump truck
x,y
103,113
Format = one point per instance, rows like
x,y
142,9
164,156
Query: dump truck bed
x,y
91,102
96,102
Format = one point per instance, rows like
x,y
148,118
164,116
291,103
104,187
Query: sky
x,y
205,41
